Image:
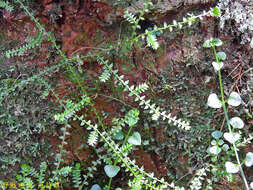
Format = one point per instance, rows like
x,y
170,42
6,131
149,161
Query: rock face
x,y
240,14
163,7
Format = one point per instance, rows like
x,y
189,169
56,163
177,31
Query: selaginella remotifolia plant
x,y
234,136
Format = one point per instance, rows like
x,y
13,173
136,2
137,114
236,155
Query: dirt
x,y
179,73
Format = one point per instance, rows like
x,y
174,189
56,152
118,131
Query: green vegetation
x,y
33,105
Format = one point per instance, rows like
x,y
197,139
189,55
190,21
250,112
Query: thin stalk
x,y
188,20
227,121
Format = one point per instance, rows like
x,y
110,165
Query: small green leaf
x,y
217,66
213,101
132,117
217,134
216,42
249,159
207,43
234,99
111,171
135,139
231,167
119,135
220,142
214,159
95,187
236,123
232,137
225,147
215,150
213,142
222,56
215,12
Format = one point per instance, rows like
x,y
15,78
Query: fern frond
x,y
138,89
28,183
152,41
152,108
130,17
93,138
6,5
76,175
106,74
41,176
71,108
30,45
27,170
64,171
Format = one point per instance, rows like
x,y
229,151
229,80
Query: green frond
x,y
152,41
93,138
76,175
130,17
30,45
106,74
6,5
138,89
64,171
71,108
43,168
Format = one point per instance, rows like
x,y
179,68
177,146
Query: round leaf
x,y
95,187
119,135
222,55
237,122
214,158
111,171
225,147
215,12
234,99
213,142
213,101
135,139
232,137
231,167
217,134
132,121
217,66
217,42
207,44
215,150
220,142
249,159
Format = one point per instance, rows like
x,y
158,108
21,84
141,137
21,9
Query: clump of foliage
x,y
113,143
26,113
233,136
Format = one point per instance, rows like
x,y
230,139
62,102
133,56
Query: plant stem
x,y
117,160
227,121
